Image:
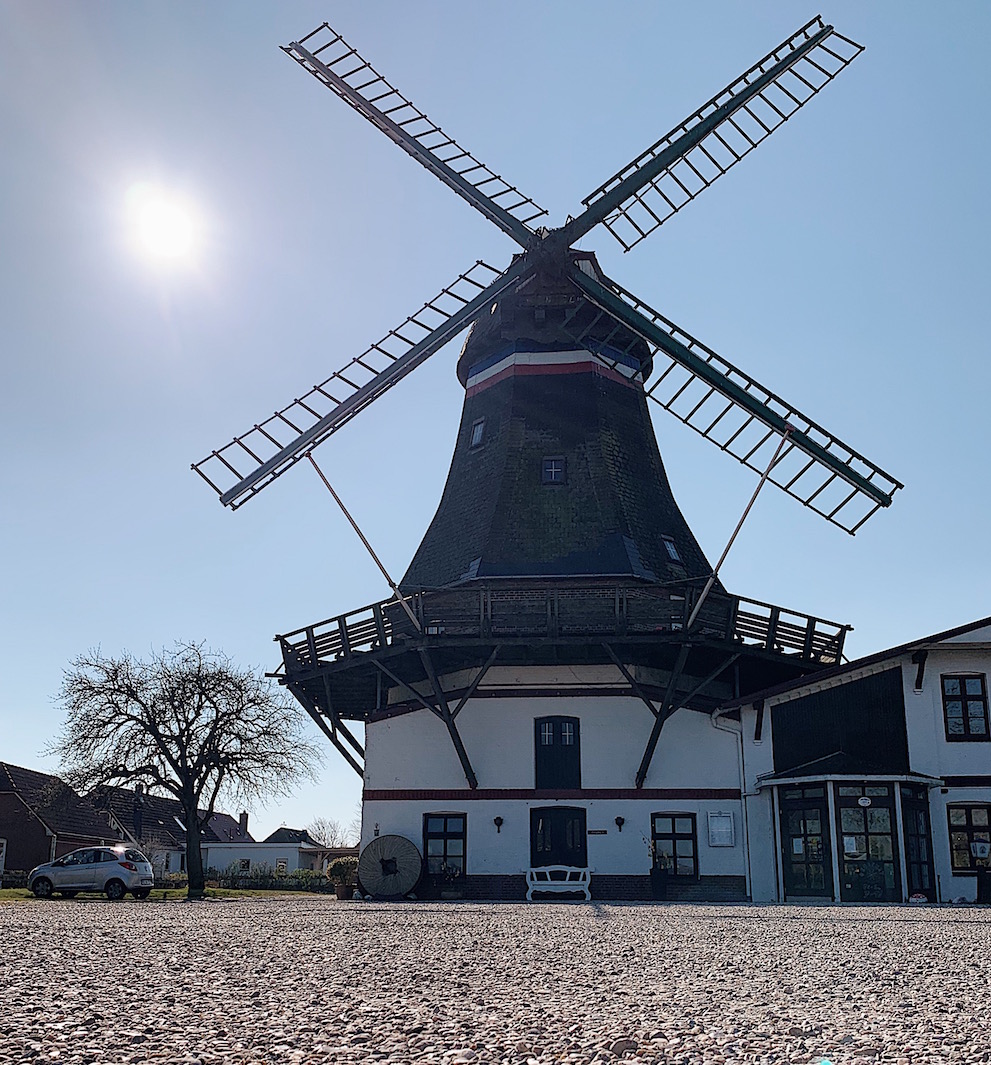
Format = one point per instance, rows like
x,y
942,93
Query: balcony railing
x,y
492,611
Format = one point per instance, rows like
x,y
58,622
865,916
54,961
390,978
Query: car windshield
x,y
134,856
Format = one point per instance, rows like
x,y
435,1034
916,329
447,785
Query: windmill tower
x,y
559,613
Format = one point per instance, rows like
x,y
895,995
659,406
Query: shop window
x,y
557,753
965,707
675,844
970,837
444,844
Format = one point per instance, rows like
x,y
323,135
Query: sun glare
x,y
163,224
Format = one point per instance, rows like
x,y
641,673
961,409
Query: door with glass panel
x,y
868,843
558,836
805,844
918,842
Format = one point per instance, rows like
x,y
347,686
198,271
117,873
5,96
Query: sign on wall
x,y
721,830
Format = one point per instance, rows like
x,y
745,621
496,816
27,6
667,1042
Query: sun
x,y
164,225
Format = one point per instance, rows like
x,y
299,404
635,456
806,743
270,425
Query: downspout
x,y
737,731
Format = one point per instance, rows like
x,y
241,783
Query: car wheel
x,y
141,893
115,890
42,888
68,894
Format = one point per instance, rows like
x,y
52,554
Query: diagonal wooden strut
x,y
663,713
329,730
478,680
669,708
448,718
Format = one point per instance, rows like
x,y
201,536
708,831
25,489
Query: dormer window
x,y
477,433
672,549
554,470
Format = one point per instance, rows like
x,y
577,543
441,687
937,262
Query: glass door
x,y
918,842
805,846
868,853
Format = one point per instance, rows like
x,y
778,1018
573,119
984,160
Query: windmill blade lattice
x,y
240,469
330,59
686,161
733,410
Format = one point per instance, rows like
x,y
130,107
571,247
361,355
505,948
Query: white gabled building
x,y
871,781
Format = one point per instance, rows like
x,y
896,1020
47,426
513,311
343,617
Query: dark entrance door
x,y
805,846
867,843
918,842
558,837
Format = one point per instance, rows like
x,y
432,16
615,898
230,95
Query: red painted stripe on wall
x,y
525,370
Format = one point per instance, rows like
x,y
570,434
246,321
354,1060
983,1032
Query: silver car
x,y
111,870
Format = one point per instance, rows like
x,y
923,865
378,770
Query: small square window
x,y
672,549
477,433
553,470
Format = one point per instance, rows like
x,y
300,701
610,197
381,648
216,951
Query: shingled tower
x,y
556,470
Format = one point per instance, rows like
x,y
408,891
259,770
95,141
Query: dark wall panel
x,y
864,719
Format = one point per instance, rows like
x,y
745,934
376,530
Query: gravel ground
x,y
311,979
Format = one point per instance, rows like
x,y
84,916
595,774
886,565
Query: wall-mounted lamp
x,y
497,821
376,828
620,821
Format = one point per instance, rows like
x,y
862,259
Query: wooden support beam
x,y
662,714
448,719
336,719
475,683
637,690
671,705
403,684
321,722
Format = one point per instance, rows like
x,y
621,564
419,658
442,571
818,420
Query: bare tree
x,y
328,832
187,722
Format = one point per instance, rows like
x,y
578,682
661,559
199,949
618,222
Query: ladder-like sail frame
x,y
699,387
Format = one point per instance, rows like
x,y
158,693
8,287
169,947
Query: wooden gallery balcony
x,y
561,613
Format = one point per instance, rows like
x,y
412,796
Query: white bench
x,y
558,878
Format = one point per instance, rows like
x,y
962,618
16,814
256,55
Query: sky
x,y
843,264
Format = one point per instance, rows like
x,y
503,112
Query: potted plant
x,y
342,872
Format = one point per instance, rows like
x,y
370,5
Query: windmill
x,y
557,539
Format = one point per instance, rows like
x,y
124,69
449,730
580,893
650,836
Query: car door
x,y
76,868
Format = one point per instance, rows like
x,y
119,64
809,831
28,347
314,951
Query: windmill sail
x,y
734,411
671,173
330,59
240,469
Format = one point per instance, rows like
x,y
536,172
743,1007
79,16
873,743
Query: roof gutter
x,y
736,729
